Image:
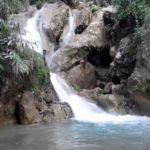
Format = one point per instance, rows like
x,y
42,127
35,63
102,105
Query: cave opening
x,y
100,57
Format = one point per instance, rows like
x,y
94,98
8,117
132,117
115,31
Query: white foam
x,y
86,111
32,35
71,29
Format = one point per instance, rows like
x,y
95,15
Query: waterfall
x,y
32,35
66,39
86,111
71,29
82,108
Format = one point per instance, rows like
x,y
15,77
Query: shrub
x,y
94,9
76,87
136,8
3,28
42,77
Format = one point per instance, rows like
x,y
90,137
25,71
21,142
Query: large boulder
x,y
27,112
83,76
56,112
33,110
113,102
57,21
93,35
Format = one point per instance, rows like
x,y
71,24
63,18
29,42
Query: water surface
x,y
75,135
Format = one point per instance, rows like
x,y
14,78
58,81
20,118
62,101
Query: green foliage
x,y
3,28
136,8
100,92
1,66
42,77
40,2
3,10
13,5
19,65
94,9
124,91
76,87
144,89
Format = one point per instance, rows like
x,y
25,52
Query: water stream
x,y
71,29
32,35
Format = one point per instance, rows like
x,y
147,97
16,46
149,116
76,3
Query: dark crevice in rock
x,y
100,57
80,29
116,80
16,112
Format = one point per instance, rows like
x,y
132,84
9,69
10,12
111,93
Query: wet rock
x,y
110,102
27,112
83,76
55,112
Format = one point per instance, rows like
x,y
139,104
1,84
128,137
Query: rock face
x,y
139,81
116,31
56,112
27,114
30,110
124,61
81,74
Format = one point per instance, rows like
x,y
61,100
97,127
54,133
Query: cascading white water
x,y
83,109
86,111
66,39
71,29
32,35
